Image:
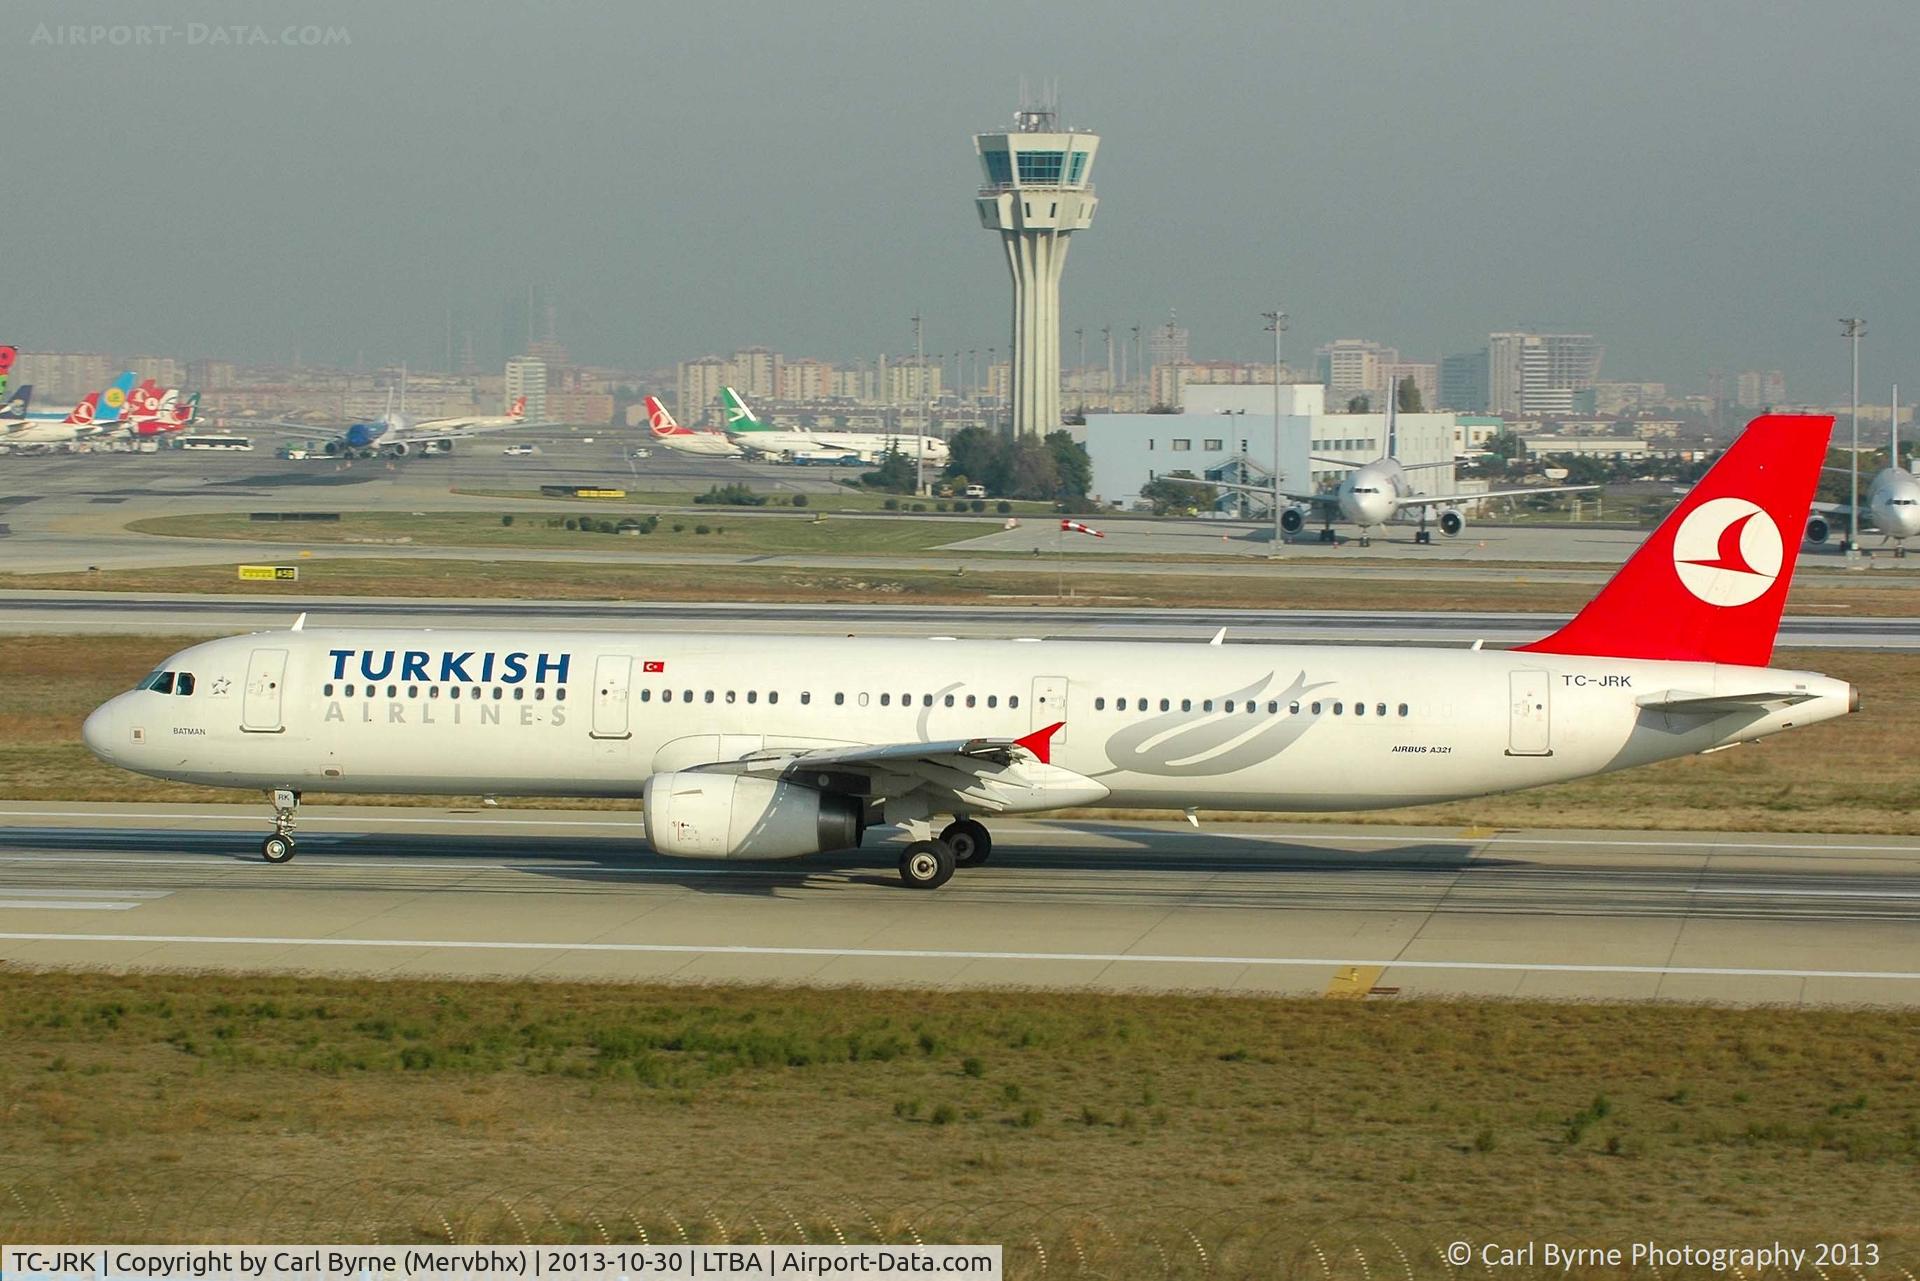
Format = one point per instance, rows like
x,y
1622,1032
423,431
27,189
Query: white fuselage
x,y
1893,503
709,443
867,446
1370,495
1243,727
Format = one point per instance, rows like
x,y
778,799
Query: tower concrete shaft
x,y
1039,190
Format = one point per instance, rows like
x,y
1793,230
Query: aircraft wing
x,y
1425,500
994,775
1332,500
1348,463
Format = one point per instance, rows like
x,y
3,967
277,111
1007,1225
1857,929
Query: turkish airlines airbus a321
x,y
748,747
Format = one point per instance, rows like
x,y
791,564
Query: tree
x,y
1035,474
1358,404
895,474
1070,462
1407,397
980,455
1179,492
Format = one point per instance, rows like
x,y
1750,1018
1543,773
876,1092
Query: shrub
x,y
973,1067
507,519
1004,507
701,529
799,500
572,523
678,527
734,495
919,507
939,507
606,527
979,504
944,1114
892,504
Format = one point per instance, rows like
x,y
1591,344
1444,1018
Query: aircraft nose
x,y
100,731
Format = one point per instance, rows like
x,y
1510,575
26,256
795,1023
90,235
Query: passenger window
x,y
393,691
519,693
863,700
1166,704
886,700
666,696
970,700
729,696
478,693
1099,704
993,700
540,694
1013,700
1316,709
327,689
1228,706
453,692
753,696
646,695
686,696
560,695
1293,709
949,700
413,691
709,696
1339,708
1359,709
1206,704
1403,709
1252,705
1380,709
1186,704
1273,707
839,700
496,692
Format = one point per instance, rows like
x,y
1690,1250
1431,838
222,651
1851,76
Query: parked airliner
x,y
1893,500
749,747
745,429
667,431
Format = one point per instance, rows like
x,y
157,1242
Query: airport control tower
x,y
1039,191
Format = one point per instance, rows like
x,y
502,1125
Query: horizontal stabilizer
x,y
1680,700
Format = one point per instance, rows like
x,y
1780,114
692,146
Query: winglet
x,y
1040,742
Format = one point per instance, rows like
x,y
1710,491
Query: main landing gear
x,y
927,865
279,847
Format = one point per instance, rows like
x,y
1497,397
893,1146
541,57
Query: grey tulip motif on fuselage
x,y
1185,744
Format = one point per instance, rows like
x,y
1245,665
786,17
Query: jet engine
x,y
690,814
1818,529
1292,520
399,449
1451,522
335,448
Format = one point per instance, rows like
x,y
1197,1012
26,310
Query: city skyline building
x,y
1038,192
1531,374
527,376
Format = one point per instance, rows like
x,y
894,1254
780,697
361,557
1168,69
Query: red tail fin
x,y
661,421
1711,582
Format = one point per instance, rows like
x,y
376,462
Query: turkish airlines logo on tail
x,y
1728,551
661,421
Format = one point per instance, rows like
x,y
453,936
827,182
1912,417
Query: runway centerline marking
x,y
930,954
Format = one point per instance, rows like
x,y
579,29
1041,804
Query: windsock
x,y
1075,527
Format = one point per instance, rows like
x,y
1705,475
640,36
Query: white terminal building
x,y
1038,192
1226,433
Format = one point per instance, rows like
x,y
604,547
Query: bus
x,y
215,442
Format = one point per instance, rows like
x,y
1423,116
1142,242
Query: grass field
x,y
1025,581
1857,774
729,530
213,1107
840,499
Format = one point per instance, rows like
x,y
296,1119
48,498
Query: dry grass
x,y
1858,774
164,1106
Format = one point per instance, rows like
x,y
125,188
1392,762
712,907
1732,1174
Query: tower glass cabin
x,y
1038,192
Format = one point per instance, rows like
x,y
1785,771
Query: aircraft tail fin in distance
x,y
16,404
660,421
111,406
84,413
739,417
518,409
1710,583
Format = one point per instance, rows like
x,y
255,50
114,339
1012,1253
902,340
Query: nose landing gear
x,y
280,847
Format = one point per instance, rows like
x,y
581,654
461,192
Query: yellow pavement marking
x,y
1353,982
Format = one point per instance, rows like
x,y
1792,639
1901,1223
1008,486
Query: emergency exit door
x,y
611,676
1050,704
1529,714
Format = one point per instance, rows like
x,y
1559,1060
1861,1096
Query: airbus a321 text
x,y
748,747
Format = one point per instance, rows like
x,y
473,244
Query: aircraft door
x,y
1050,704
612,674
1529,711
260,702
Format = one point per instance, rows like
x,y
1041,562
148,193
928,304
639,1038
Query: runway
x,y
126,613
1338,910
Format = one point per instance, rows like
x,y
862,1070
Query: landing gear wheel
x,y
926,865
969,841
277,849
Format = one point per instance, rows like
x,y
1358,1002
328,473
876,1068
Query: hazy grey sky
x,y
1702,184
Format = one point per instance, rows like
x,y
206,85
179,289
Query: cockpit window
x,y
183,683
159,683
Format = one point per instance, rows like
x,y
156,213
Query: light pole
x,y
1080,371
920,436
1853,329
1277,326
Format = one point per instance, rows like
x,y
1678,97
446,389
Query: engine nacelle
x,y
399,449
1292,520
1818,529
334,448
1451,522
690,814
